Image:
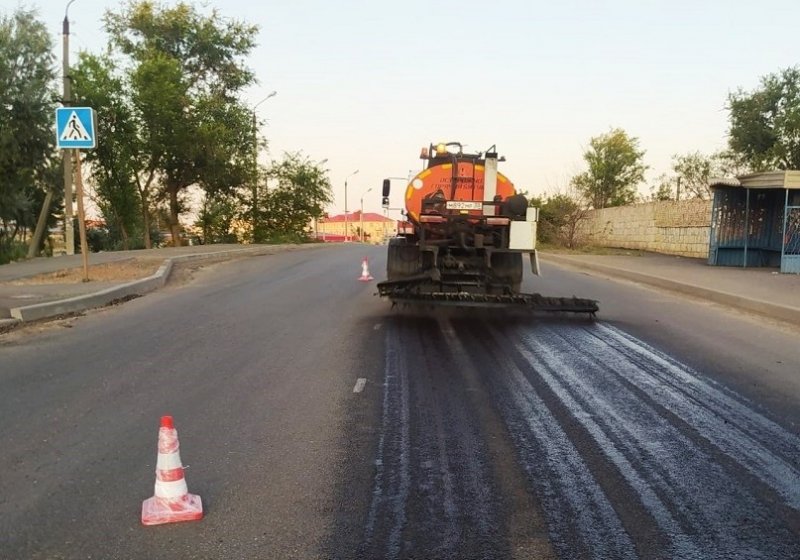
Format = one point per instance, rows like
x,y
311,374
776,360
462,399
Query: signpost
x,y
75,130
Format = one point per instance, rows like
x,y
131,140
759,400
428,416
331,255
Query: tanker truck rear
x,y
471,230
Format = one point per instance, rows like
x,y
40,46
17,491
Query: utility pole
x,y
41,223
69,232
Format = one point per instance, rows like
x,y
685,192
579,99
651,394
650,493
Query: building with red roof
x,y
374,227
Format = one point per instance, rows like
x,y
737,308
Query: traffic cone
x,y
172,501
365,275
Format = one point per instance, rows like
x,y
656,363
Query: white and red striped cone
x,y
172,501
365,275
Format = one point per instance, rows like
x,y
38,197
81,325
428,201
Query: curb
x,y
135,288
7,323
784,313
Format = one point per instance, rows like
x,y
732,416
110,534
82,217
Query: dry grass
x,y
589,250
120,271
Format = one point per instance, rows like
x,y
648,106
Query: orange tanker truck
x,y
470,232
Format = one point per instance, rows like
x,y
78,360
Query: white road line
x,y
360,383
377,327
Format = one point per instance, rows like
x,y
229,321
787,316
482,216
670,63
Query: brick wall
x,y
670,227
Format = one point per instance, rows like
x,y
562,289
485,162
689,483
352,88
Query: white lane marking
x,y
360,383
377,327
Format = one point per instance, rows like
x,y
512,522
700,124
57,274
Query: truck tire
x,y
402,260
507,268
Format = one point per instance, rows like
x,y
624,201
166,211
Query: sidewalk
x,y
756,290
763,291
22,301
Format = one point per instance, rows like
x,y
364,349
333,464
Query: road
x,y
667,428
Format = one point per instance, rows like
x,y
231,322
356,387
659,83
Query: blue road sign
x,y
75,127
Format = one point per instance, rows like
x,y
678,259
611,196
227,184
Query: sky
x,y
366,84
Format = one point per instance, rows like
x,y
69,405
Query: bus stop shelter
x,y
755,221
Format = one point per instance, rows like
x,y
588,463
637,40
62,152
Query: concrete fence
x,y
670,227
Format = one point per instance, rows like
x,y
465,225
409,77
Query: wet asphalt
x,y
603,445
665,428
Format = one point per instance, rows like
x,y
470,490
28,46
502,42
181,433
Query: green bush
x,y
12,251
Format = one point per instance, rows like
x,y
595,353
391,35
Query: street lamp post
x,y
316,202
69,232
361,214
345,203
66,154
255,162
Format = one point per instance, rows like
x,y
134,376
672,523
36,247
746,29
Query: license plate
x,y
464,205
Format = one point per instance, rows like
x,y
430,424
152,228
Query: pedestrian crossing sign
x,y
75,127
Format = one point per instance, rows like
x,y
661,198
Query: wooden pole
x,y
41,225
81,214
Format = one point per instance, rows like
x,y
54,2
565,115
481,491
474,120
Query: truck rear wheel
x,y
402,260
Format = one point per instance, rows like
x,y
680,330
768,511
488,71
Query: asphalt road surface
x,y
316,422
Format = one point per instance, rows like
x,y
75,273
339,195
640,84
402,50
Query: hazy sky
x,y
366,84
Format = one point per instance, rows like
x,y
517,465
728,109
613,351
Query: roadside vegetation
x,y
28,160
168,93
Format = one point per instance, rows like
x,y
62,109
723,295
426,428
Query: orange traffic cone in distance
x,y
172,501
365,275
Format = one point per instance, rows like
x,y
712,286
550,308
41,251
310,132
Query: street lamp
x,y
41,223
361,215
69,232
255,162
345,203
320,163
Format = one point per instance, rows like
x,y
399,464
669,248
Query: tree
x,y
115,163
27,104
185,72
217,216
664,188
695,170
691,173
565,214
301,193
560,216
615,170
765,123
